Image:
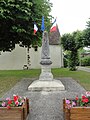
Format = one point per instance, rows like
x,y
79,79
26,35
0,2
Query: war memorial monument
x,y
46,82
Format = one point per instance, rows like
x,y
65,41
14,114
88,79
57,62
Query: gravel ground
x,y
46,105
84,69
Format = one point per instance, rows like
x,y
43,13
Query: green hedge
x,y
85,61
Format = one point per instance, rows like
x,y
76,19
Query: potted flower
x,y
16,108
77,108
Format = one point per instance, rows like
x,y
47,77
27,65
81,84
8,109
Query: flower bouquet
x,y
16,108
78,108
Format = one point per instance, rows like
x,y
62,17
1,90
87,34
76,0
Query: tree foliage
x,y
86,37
86,34
72,42
16,22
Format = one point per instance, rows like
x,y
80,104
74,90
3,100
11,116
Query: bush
x,y
85,61
65,62
73,60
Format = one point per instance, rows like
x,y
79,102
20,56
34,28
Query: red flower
x,y
8,107
76,98
16,98
84,97
9,102
85,100
16,103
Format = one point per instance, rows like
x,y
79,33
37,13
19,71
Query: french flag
x,y
35,28
54,26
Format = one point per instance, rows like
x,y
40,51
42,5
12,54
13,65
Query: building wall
x,y
13,60
18,58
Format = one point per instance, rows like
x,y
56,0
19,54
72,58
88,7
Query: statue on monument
x,y
45,54
45,46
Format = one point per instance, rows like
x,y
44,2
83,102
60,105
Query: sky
x,y
71,14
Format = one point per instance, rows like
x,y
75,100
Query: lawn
x,y
8,78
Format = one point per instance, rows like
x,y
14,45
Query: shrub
x,y
65,62
85,61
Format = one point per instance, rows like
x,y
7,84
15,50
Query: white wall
x,y
56,56
13,60
18,58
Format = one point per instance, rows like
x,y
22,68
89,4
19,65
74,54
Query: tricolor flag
x,y
54,26
42,26
35,28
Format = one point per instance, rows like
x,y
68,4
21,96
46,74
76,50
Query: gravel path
x,y
84,68
47,105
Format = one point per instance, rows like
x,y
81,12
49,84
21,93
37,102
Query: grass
x,y
81,77
8,78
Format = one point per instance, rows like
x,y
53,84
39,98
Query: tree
x,y
16,22
86,35
13,19
72,42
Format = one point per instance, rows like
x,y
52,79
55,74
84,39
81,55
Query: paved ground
x,y
47,105
84,69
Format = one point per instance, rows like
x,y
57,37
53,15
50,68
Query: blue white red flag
x,y
35,28
54,26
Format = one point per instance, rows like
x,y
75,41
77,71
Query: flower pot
x,y
76,113
15,113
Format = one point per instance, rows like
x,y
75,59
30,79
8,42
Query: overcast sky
x,y
71,14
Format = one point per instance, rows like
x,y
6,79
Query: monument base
x,y
46,73
45,85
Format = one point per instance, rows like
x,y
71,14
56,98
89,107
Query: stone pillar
x,y
45,59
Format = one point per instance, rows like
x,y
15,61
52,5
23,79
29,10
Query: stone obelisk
x,y
46,81
45,59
